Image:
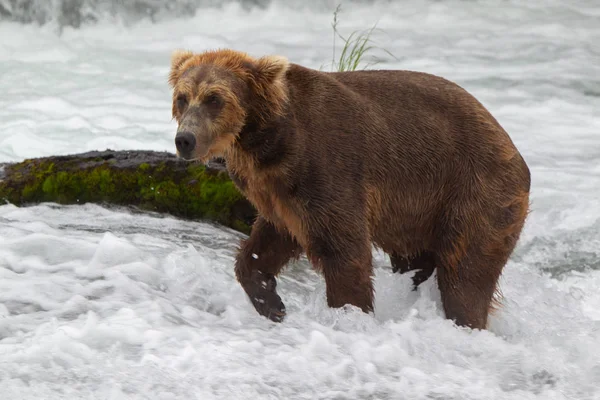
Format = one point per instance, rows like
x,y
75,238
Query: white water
x,y
106,304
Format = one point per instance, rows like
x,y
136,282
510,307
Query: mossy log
x,y
147,180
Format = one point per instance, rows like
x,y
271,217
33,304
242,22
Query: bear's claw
x,y
264,297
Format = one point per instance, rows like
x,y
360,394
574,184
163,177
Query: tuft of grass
x,y
355,48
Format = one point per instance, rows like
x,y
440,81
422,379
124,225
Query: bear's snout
x,y
185,142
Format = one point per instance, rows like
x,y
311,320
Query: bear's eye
x,y
213,99
182,102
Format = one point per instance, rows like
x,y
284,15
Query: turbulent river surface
x,y
103,303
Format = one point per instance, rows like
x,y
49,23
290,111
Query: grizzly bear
x,y
339,163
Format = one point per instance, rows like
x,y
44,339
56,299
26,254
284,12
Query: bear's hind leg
x,y
468,285
260,259
469,269
424,264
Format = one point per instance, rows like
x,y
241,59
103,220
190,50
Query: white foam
x,y
138,307
107,304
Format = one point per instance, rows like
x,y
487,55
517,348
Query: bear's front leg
x,y
345,259
260,259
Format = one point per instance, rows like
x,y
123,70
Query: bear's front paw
x,y
262,293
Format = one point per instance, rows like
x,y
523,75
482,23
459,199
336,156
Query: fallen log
x,y
146,180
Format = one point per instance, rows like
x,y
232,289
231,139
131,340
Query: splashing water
x,y
104,303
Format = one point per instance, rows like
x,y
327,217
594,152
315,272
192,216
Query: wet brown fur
x,y
338,162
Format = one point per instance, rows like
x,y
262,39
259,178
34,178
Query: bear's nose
x,y
185,143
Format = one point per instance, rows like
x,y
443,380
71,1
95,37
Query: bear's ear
x,y
177,59
271,68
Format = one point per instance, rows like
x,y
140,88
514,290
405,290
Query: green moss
x,y
241,226
189,191
29,192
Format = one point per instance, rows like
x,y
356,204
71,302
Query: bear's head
x,y
217,93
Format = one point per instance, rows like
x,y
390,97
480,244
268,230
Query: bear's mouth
x,y
217,163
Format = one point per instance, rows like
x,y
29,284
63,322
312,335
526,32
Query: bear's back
x,y
417,140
